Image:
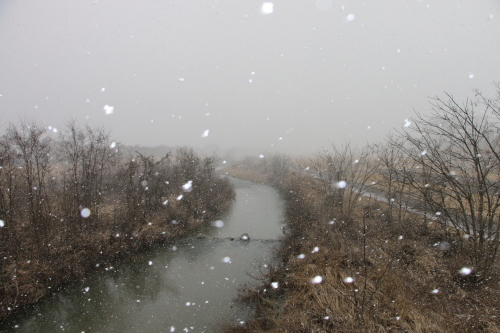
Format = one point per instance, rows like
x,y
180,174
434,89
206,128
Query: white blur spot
x,y
180,197
267,8
205,133
400,237
250,80
174,248
252,73
368,127
424,152
489,17
341,184
316,249
317,279
188,303
227,260
398,50
356,161
108,109
150,263
2,223
464,271
438,213
274,285
103,89
261,156
471,76
398,318
172,329
407,123
112,145
280,139
224,162
219,224
349,279
188,187
165,202
435,291
85,212
350,17
383,68
181,79
301,256
86,289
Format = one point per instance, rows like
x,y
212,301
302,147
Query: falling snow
x,y
349,279
108,109
341,184
219,224
267,8
188,187
464,271
350,17
85,212
317,279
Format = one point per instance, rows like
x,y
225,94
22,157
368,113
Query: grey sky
x,y
173,69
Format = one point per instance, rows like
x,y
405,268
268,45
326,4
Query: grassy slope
x,y
402,281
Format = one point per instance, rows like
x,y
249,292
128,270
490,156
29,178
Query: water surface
x,y
186,286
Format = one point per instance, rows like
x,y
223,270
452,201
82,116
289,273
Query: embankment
x,y
364,273
28,276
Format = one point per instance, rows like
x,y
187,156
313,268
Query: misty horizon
x,y
280,78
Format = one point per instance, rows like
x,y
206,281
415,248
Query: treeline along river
x,y
185,286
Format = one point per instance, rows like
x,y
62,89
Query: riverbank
x,y
365,273
130,220
189,284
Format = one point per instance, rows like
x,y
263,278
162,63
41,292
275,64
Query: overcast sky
x,y
288,77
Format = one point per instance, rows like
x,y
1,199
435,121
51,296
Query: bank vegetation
x,y
73,201
400,236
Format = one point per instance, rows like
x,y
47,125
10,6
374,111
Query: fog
x,y
288,77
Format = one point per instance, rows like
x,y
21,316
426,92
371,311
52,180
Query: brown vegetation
x,y
349,263
70,204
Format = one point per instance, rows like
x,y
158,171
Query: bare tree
x,y
32,149
89,156
346,173
278,168
457,151
396,178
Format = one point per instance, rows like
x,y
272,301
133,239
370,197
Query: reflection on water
x,y
188,285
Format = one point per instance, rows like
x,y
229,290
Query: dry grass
x,y
28,279
402,282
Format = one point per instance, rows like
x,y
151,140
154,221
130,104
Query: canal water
x,y
186,286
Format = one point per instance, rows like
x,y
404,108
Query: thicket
x,y
76,200
401,236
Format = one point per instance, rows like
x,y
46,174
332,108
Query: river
x,y
188,285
